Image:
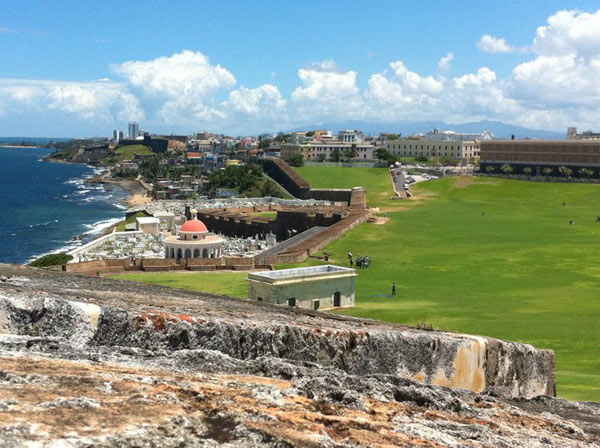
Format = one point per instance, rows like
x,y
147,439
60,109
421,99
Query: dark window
x,y
316,304
292,301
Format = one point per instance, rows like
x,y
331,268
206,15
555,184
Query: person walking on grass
x,y
393,288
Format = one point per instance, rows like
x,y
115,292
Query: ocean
x,y
45,207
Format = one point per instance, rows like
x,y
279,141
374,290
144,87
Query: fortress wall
x,y
94,312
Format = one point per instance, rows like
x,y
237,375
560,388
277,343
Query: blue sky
x,y
84,68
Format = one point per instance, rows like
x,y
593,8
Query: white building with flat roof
x,y
462,150
315,288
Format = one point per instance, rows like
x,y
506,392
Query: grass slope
x,y
129,151
227,283
484,256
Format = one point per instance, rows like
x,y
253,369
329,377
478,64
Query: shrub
x,y
527,170
295,160
506,168
490,169
584,172
51,260
547,171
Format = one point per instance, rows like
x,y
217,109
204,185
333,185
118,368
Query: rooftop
x,y
303,272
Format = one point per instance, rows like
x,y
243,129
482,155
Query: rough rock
x,y
97,362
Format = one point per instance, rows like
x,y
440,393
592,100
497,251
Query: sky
x,y
84,68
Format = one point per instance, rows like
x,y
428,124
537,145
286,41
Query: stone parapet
x,y
96,312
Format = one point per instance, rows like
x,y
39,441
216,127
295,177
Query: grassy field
x,y
484,256
129,151
227,283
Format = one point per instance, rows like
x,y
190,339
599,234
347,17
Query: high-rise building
x,y
117,135
134,129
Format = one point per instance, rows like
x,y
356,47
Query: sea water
x,y
45,207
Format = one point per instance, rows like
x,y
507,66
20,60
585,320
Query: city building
x,y
541,156
134,129
351,136
586,135
462,150
436,135
317,287
117,135
193,241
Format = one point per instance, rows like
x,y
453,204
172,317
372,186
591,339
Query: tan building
x,y
432,149
313,149
317,287
539,154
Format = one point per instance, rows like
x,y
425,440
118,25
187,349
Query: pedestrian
x,y
393,288
351,262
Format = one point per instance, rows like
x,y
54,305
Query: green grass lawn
x,y
484,256
227,283
127,152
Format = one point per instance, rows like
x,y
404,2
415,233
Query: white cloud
x,y
103,101
445,63
566,70
491,44
4,30
326,93
185,83
569,32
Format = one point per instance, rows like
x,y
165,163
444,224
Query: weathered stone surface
x,y
96,362
101,312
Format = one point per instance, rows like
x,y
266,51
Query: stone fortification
x,y
95,362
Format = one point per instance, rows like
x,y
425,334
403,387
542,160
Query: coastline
x,y
21,146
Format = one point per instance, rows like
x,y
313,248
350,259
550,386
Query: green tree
x,y
421,159
565,171
321,158
585,172
490,168
336,155
527,170
547,171
351,153
506,168
383,154
51,260
264,143
295,160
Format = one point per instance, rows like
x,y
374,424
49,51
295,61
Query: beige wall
x,y
305,291
431,149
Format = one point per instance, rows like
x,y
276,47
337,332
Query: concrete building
x,y
193,241
134,129
462,150
317,287
167,220
117,135
313,149
436,135
586,135
541,154
351,136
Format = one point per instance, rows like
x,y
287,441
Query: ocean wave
x,y
101,225
43,223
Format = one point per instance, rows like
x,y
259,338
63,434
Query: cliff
x,y
90,361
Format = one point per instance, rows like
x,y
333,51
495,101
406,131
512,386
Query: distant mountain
x,y
406,128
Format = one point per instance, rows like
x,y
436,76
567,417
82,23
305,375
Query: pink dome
x,y
194,226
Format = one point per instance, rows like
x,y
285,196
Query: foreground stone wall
x,y
93,312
